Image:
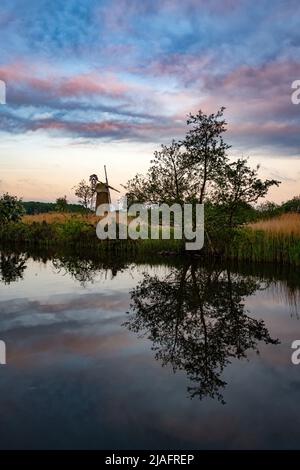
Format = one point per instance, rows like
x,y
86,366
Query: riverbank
x,y
277,240
65,230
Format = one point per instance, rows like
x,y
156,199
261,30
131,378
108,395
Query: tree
x,y
61,204
237,186
85,193
293,205
197,170
183,171
268,209
168,179
11,208
137,190
206,149
35,207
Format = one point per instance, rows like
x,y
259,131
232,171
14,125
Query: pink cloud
x,y
265,129
54,83
269,76
183,67
108,128
89,84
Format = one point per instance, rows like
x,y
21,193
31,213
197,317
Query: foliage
x,y
36,207
206,149
198,170
168,180
236,187
293,205
11,209
61,204
85,193
268,209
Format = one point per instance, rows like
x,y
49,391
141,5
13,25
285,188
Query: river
x,y
147,355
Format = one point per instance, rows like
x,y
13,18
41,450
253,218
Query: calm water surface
x,y
137,356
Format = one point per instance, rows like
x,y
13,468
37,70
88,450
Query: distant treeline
x,y
35,207
265,210
270,209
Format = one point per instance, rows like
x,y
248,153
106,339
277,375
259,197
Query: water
x,y
201,361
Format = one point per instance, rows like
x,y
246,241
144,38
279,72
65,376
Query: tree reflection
x,y
87,270
197,322
12,267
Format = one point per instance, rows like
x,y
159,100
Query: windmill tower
x,y
103,191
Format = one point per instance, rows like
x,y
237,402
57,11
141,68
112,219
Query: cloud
x,y
132,70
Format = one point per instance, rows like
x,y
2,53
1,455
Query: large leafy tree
x,y
11,208
169,178
206,149
198,169
183,171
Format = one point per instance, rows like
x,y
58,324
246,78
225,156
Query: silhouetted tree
x,y
236,186
85,193
168,179
206,149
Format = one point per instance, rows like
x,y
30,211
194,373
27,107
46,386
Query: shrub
x,y
11,209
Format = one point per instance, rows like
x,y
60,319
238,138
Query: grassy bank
x,y
262,246
275,240
76,230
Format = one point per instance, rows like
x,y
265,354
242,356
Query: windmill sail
x,y
106,179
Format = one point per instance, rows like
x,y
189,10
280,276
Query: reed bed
x,y
59,217
285,224
273,240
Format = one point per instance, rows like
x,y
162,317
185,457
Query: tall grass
x,y
59,217
285,224
274,240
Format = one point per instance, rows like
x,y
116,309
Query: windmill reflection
x,y
197,322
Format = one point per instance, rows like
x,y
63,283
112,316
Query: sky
x,y
95,82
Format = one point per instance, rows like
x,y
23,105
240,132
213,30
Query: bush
x,y
11,209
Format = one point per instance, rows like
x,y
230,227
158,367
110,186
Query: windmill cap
x,y
101,187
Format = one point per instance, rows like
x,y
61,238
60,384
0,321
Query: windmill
x,y
102,189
